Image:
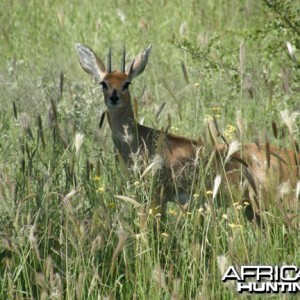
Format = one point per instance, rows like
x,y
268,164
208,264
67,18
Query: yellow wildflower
x,y
101,189
208,118
186,214
232,225
224,216
172,212
216,108
229,132
200,210
230,128
138,236
111,205
238,205
246,203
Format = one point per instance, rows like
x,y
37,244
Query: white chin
x,y
114,106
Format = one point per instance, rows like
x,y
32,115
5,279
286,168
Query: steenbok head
x,y
114,84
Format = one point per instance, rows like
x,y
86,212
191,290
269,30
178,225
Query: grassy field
x,y
68,226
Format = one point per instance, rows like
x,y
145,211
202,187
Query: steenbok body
x,y
258,169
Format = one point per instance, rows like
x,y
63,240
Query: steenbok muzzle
x,y
257,170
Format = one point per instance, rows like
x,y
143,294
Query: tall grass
x,y
75,224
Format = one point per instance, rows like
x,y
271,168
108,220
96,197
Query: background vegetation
x,y
64,233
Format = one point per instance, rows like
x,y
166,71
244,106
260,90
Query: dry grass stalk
x,y
121,244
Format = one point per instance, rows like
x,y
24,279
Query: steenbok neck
x,y
120,119
125,137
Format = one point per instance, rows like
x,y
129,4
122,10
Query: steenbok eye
x,y
126,86
104,85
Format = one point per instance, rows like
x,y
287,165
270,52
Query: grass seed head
x,y
24,121
289,119
233,148
298,190
79,138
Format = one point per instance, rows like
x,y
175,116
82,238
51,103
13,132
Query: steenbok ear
x,y
138,65
90,62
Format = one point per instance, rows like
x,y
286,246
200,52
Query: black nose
x,y
114,98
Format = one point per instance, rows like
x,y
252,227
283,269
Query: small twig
x,y
282,16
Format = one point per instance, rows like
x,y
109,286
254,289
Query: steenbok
x,y
257,170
